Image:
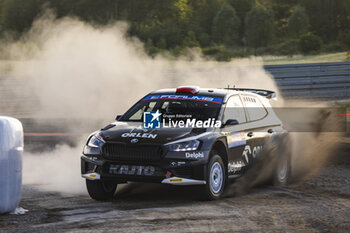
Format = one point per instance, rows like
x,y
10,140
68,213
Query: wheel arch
x,y
220,146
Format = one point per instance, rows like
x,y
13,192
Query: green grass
x,y
330,57
343,104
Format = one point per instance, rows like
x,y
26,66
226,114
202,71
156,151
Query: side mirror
x,y
118,117
231,122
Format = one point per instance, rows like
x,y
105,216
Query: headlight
x,y
184,146
96,141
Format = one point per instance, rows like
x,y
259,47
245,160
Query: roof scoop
x,y
188,89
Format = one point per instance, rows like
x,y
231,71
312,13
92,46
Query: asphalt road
x,y
318,204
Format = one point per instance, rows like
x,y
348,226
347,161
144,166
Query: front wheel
x,y
215,178
100,190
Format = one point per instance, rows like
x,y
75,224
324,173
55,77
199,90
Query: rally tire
x,y
282,171
99,190
216,177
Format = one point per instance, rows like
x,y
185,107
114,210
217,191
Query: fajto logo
x,y
151,120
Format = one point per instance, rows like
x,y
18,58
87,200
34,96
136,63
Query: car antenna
x,y
230,88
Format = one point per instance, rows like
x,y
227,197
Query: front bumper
x,y
167,171
172,180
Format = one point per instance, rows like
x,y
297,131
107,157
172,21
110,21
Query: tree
x,y
182,11
226,24
281,11
310,43
19,14
100,12
327,17
259,27
190,40
162,43
344,39
203,17
242,7
298,22
1,12
347,5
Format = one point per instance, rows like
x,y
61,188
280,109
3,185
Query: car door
x,y
237,140
256,128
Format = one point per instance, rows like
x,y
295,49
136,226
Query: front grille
x,y
185,172
137,153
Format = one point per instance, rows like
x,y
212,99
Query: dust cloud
x,y
309,150
72,69
319,142
57,170
75,69
312,151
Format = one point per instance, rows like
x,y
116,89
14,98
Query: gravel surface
x,y
319,204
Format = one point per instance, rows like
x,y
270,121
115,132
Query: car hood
x,y
127,131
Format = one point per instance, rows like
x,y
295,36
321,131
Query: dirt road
x,y
319,204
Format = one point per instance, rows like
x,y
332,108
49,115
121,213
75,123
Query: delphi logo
x,y
151,120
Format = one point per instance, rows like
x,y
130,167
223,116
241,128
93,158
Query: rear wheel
x,y
282,173
215,178
100,190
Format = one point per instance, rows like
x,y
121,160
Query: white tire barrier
x,y
11,149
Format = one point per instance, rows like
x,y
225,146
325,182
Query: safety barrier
x,y
328,81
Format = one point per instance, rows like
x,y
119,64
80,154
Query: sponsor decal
x,y
179,163
194,155
234,167
151,120
134,140
256,151
131,170
248,151
185,97
175,180
139,135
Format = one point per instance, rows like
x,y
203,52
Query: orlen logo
x,y
151,120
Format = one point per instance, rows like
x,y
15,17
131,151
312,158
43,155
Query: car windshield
x,y
176,106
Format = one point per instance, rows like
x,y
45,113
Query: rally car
x,y
186,136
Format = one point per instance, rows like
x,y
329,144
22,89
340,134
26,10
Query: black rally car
x,y
185,136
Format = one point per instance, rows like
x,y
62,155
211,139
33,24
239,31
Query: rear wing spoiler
x,y
266,93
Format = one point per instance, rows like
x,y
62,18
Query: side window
x,y
254,107
234,110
